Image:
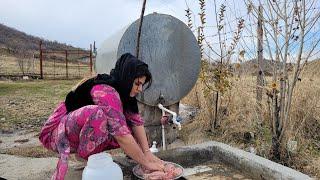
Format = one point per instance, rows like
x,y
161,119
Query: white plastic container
x,y
101,167
153,148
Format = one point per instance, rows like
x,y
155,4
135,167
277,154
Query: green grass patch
x,y
25,103
35,151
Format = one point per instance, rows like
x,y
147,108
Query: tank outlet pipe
x,y
174,118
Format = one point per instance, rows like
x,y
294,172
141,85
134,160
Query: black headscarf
x,y
126,70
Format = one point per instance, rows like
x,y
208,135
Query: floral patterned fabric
x,y
89,129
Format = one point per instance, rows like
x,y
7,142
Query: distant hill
x,y
15,42
312,69
250,67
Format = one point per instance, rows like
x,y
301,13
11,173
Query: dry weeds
x,y
238,116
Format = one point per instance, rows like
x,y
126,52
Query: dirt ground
x,y
25,105
23,157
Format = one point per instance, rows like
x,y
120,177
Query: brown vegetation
x,y
238,116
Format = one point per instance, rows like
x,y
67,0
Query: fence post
x,y
67,64
54,68
41,72
90,59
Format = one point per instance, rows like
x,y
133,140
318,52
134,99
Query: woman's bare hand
x,y
152,158
152,166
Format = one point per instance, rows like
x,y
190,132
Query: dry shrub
x,y
194,132
241,112
305,126
305,114
238,116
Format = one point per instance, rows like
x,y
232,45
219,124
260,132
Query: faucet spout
x,y
174,115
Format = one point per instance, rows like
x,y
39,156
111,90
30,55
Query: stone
x,y
252,150
25,77
175,144
187,113
248,136
7,130
21,140
292,146
238,176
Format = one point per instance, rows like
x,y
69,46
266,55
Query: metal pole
x,y
54,68
41,72
90,59
94,49
140,26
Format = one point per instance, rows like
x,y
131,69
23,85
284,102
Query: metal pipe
x,y
140,28
174,118
163,132
163,138
90,59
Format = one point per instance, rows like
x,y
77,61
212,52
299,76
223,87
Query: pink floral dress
x,y
87,130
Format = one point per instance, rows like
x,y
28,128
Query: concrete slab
x,y
248,163
210,160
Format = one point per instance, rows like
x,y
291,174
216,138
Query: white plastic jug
x,y
153,148
101,167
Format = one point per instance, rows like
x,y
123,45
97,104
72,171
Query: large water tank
x,y
170,49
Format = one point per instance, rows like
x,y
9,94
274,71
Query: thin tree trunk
x,y
215,124
260,83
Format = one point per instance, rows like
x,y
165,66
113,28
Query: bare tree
x,y
216,73
24,61
291,30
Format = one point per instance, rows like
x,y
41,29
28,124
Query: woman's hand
x,y
152,158
154,166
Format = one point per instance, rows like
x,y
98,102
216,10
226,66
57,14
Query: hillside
x,y
15,42
250,67
311,70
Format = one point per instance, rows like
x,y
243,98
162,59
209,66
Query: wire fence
x,y
49,64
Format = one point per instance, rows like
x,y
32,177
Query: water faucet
x,y
174,115
174,119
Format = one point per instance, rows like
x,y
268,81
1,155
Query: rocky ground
x,y
23,157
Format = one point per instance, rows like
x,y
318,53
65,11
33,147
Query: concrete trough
x,y
210,160
236,161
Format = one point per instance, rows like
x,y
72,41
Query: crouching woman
x,y
101,113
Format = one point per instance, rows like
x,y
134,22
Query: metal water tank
x,y
170,49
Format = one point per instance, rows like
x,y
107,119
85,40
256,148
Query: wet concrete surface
x,y
218,171
12,167
211,171
207,169
209,160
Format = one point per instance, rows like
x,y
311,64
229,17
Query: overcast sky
x,y
80,22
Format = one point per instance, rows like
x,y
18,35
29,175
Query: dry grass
x,y
238,116
25,103
33,151
28,103
10,65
